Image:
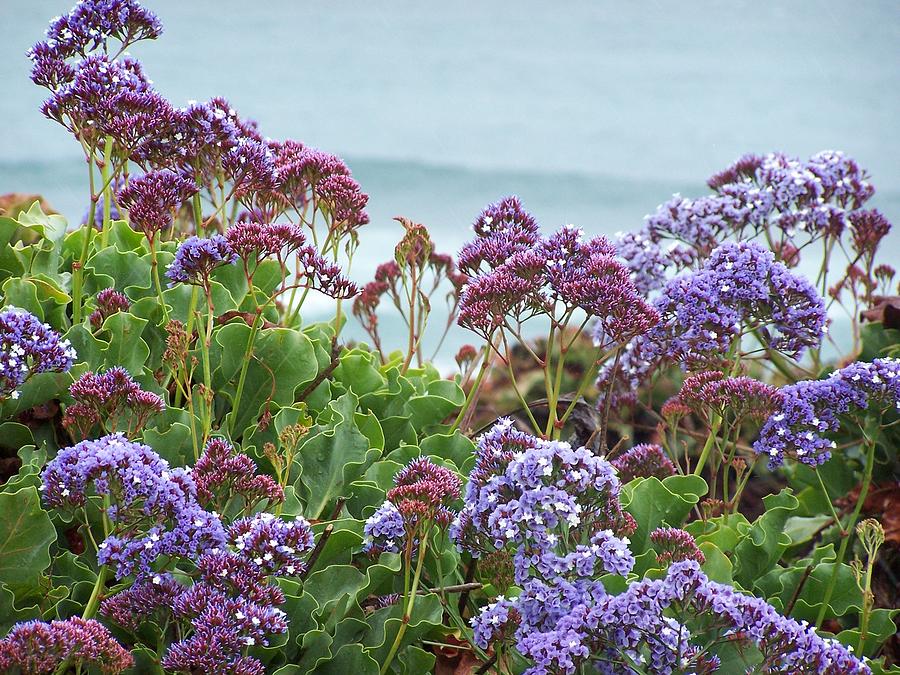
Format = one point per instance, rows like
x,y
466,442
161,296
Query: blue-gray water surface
x,y
593,112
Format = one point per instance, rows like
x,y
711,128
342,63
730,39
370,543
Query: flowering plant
x,y
195,480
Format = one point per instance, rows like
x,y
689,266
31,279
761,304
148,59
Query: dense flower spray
x,y
38,648
545,499
112,400
152,509
810,409
740,290
28,347
109,301
774,196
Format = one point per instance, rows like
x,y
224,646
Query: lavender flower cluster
x,y
649,626
774,194
737,397
28,347
112,398
739,289
99,93
422,496
810,409
517,274
38,648
556,505
547,499
153,508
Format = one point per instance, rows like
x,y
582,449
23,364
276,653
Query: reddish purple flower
x,y
109,301
675,545
39,647
643,461
113,399
221,473
152,198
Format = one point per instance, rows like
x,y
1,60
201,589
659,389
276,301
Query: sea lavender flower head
x,y
775,194
109,301
112,398
197,258
544,498
91,24
224,627
39,647
868,228
655,622
422,497
152,198
153,508
345,202
740,288
737,397
501,230
643,461
424,491
86,105
221,474
810,409
29,347
674,545
323,276
141,601
276,546
253,242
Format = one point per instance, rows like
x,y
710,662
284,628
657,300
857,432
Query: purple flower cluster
x,y
675,545
142,601
38,648
421,498
92,23
556,505
233,605
812,408
196,258
28,347
737,397
113,400
153,509
109,301
775,194
222,474
649,626
517,274
152,198
739,289
643,461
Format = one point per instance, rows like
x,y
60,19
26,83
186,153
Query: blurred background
x,y
592,112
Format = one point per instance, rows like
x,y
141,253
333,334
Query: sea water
x,y
592,112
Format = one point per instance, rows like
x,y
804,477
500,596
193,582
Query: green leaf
x,y
283,359
765,539
126,347
25,537
332,457
655,503
351,659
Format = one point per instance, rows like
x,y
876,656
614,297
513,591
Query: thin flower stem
x,y
78,268
847,531
473,391
512,379
107,196
409,607
248,354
